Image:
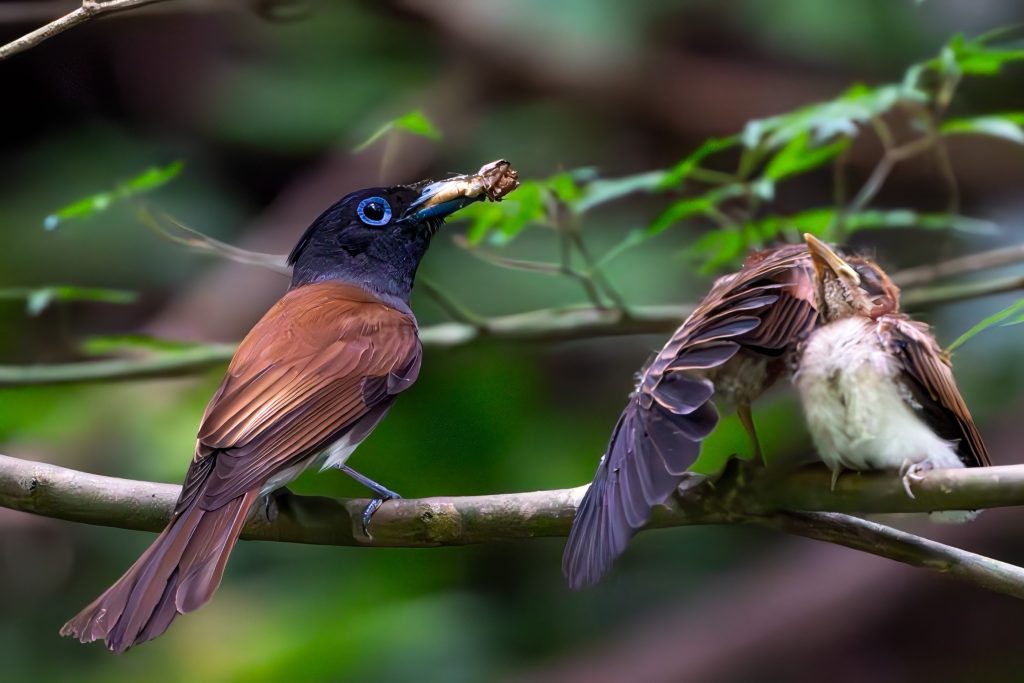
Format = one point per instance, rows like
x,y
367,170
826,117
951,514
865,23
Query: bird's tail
x,y
178,573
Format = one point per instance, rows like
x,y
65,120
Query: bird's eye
x,y
374,211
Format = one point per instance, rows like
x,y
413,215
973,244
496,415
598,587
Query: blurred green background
x,y
264,101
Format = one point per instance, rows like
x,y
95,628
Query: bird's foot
x,y
382,494
835,478
274,501
910,473
370,510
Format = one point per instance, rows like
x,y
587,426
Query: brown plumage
x,y
325,362
735,344
307,384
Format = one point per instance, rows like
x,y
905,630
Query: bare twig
x,y
878,539
880,174
945,294
544,325
746,495
550,324
179,233
90,9
453,308
963,265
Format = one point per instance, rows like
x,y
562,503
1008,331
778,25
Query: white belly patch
x,y
334,455
859,415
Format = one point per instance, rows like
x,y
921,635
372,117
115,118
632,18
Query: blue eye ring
x,y
374,211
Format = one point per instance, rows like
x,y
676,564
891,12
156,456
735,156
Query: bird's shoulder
x,y
313,318
326,344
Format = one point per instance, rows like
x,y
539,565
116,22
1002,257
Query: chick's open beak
x,y
827,260
437,200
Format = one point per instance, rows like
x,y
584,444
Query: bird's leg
x,y
274,501
381,494
747,420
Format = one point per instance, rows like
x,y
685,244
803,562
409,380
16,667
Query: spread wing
x,y
326,361
765,308
928,375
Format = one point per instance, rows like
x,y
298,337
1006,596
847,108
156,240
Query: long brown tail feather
x,y
178,573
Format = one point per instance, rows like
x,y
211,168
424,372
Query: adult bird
x,y
307,384
876,389
734,345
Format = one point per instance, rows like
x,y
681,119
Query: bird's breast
x,y
858,412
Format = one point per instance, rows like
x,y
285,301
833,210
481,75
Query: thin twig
x,y
457,311
566,267
962,265
881,172
544,325
595,273
90,9
947,294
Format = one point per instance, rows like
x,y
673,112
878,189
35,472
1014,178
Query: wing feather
x,y
321,360
764,308
929,376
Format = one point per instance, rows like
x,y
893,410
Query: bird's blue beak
x,y
440,199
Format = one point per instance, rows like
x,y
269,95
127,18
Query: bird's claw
x,y
910,473
371,509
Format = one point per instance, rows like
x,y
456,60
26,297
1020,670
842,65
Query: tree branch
x,y
963,265
90,9
878,539
744,494
550,324
544,325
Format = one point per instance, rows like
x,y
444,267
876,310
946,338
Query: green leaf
x,y
716,249
705,203
800,155
814,221
827,120
678,211
681,171
906,218
1005,126
601,192
111,344
978,58
565,187
148,180
155,177
1015,312
505,219
415,122
39,299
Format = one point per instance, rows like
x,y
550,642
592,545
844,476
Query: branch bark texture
x,y
743,494
90,9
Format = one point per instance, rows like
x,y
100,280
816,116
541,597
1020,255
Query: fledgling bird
x,y
307,384
735,344
876,389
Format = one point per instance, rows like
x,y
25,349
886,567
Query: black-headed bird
x,y
307,384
